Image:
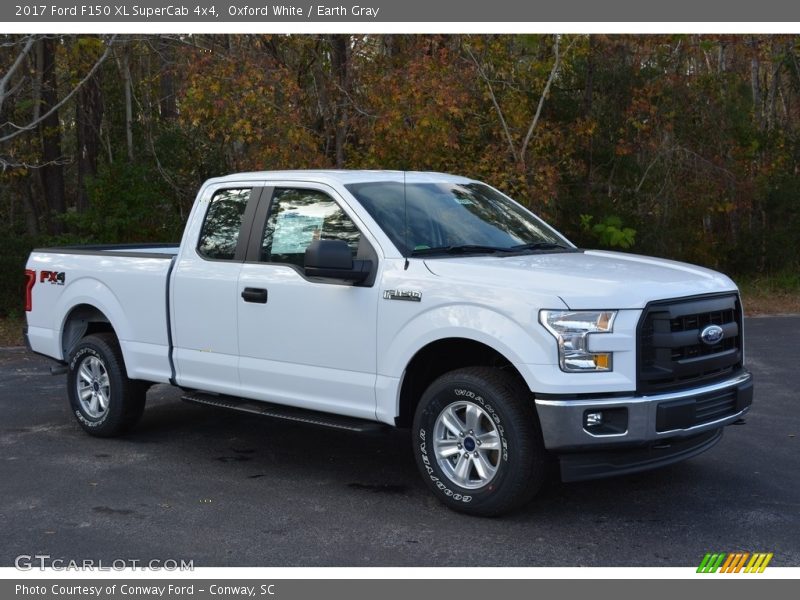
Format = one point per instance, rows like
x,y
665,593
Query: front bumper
x,y
643,420
579,466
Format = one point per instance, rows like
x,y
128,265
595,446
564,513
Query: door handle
x,y
257,295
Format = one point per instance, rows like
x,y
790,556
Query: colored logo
x,y
711,335
737,562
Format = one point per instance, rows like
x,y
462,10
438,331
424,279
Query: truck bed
x,y
127,283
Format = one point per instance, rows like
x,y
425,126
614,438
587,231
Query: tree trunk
x,y
52,171
88,119
755,84
30,207
125,68
167,106
340,65
587,113
772,96
388,44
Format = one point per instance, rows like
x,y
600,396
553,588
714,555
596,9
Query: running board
x,y
288,413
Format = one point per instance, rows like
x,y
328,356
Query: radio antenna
x,y
405,219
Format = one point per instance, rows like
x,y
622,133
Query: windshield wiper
x,y
540,246
461,249
481,249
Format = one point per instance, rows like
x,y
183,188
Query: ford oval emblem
x,y
712,335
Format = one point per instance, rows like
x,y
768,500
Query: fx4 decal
x,y
55,277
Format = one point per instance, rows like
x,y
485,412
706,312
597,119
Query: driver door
x,y
306,342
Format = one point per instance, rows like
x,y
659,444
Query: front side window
x,y
300,216
220,233
426,218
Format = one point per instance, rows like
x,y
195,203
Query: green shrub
x,y
609,232
127,203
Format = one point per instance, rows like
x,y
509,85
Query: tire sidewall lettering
x,y
518,452
423,450
461,393
478,399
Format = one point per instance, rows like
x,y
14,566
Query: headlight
x,y
571,330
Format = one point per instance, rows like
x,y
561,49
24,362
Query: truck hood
x,y
591,279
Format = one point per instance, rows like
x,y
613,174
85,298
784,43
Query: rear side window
x,y
220,233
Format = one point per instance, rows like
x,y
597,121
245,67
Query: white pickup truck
x,y
364,299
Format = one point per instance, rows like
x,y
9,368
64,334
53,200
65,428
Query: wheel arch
x,y
442,356
479,335
88,305
82,320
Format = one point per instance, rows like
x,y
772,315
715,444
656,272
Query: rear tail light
x,y
30,279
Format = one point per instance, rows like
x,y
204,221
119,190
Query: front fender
x,y
519,345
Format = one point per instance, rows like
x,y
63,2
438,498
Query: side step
x,y
288,413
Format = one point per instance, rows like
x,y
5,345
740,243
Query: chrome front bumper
x,y
648,417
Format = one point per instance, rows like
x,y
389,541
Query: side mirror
x,y
333,259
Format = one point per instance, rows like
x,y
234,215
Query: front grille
x,y
670,354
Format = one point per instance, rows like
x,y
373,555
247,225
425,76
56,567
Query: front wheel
x,y
477,441
102,398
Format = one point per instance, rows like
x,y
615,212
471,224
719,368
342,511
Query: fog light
x,y
609,421
593,419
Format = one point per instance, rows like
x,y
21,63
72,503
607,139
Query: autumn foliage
x,y
683,146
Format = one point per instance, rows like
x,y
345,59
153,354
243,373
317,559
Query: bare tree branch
x,y
673,150
519,155
497,108
545,92
35,122
10,163
650,166
729,174
13,68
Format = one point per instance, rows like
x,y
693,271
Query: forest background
x,y
680,146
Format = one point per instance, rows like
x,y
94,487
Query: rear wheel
x,y
478,442
104,401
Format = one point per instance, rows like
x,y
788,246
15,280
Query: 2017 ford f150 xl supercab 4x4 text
x,y
360,299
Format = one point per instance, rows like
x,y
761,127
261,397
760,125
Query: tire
x,y
102,398
506,462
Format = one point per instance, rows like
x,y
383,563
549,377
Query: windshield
x,y
443,217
